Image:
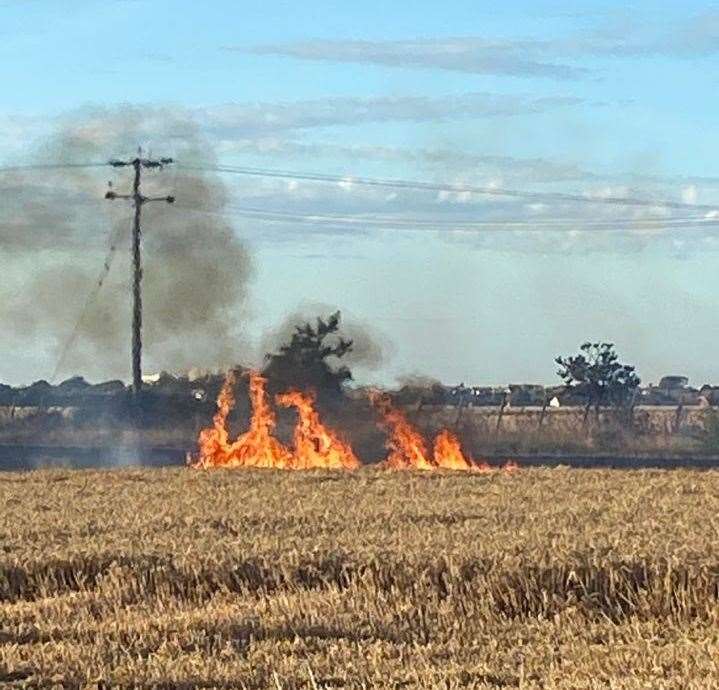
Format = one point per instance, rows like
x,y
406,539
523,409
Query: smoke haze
x,y
59,230
370,349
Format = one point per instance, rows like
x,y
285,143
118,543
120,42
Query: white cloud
x,y
690,194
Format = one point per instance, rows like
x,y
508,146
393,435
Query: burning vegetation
x,y
316,446
408,450
257,447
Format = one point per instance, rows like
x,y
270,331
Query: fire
x,y
448,454
316,446
510,467
407,449
406,446
256,447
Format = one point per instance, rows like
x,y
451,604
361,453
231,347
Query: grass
x,y
562,431
539,579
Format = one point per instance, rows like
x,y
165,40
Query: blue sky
x,y
596,99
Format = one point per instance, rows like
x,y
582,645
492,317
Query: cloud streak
x,y
696,37
472,55
243,119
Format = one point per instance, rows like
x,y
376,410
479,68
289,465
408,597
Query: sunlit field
x,y
367,579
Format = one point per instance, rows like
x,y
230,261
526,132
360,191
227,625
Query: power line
x,y
450,223
114,237
450,188
566,224
49,166
401,184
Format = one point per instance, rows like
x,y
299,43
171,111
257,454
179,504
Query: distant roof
x,y
673,381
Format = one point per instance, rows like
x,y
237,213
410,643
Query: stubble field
x,y
262,579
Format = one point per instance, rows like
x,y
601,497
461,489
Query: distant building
x,y
669,383
474,396
672,390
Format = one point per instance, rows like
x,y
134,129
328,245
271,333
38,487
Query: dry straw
x,y
539,579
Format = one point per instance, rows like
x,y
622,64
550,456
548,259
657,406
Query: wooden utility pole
x,y
500,414
139,200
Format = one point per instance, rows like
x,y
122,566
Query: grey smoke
x,y
57,227
370,347
417,380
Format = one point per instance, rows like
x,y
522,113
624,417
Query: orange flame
x,y
316,446
255,448
406,446
510,467
407,449
448,454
